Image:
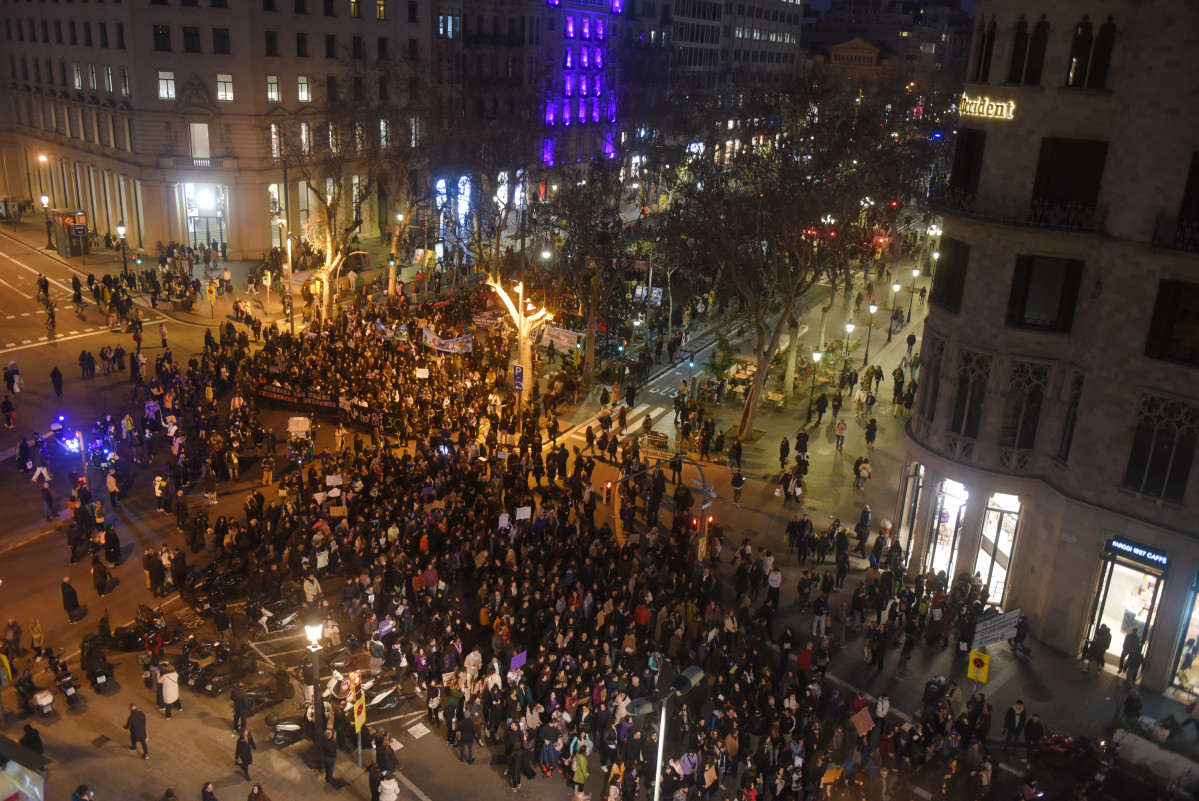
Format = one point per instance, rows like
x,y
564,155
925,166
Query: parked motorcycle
x,y
382,696
96,667
337,658
148,627
101,458
293,728
339,686
213,586
32,697
267,694
274,618
63,680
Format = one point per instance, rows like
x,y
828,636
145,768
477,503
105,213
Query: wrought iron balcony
x,y
1009,210
1173,233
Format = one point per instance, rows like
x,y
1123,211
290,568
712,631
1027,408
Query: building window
x,y
78,76
357,50
381,48
412,15
220,41
1022,406
986,49
224,87
380,9
949,284
191,40
305,137
103,35
108,79
330,10
1090,56
125,82
162,38
268,5
120,36
1069,171
301,6
1163,448
272,43
355,9
973,371
931,355
91,76
166,85
302,89
1044,293
272,88
383,140
1028,54
968,160
358,87
383,93
1174,328
301,45
274,140
220,3
1070,421
331,88
330,45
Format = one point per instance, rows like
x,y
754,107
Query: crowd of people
x,y
463,548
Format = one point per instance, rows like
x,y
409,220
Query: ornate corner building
x,y
1052,447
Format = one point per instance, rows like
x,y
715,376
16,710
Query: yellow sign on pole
x,y
359,712
212,292
979,664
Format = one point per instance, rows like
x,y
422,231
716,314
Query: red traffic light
x,y
609,485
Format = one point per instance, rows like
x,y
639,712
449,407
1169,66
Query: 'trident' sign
x,y
987,108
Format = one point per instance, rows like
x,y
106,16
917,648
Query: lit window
x,y
380,9
272,88
586,23
91,69
224,87
125,82
79,76
274,140
166,85
355,9
570,26
304,140
302,89
383,134
108,79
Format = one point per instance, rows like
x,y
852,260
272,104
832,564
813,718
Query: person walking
x,y
840,432
258,794
1132,644
864,473
10,411
100,576
243,752
56,381
580,774
168,679
162,334
738,484
329,755
135,724
70,600
207,792
241,707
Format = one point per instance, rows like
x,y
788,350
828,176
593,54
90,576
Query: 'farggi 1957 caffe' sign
x,y
987,108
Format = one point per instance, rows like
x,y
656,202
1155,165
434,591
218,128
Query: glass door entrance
x,y
1128,593
946,524
995,547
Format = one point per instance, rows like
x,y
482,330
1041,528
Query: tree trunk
x,y
745,426
792,354
589,350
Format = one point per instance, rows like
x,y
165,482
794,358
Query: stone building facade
x,y
1053,441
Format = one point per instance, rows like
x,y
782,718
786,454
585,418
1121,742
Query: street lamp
x,y
848,333
683,683
49,224
124,254
816,356
869,331
911,297
313,632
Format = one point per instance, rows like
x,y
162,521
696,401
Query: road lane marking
x,y
25,344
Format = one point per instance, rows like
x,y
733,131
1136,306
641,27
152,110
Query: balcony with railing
x,y
1174,233
1011,210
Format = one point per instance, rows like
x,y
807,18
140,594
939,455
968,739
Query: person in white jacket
x,y
389,788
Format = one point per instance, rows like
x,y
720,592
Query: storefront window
x,y
995,547
1186,675
205,205
912,484
942,553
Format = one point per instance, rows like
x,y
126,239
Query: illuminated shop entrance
x,y
207,213
1130,583
995,546
913,482
946,528
1186,671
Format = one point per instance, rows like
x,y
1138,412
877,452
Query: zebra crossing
x,y
660,417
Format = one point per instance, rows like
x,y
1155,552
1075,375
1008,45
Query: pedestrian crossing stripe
x,y
636,419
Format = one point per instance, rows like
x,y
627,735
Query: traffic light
x,y
691,364
608,492
139,258
391,260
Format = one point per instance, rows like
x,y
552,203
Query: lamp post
x,y
895,287
49,224
869,331
912,297
816,356
313,632
124,252
683,683
848,333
